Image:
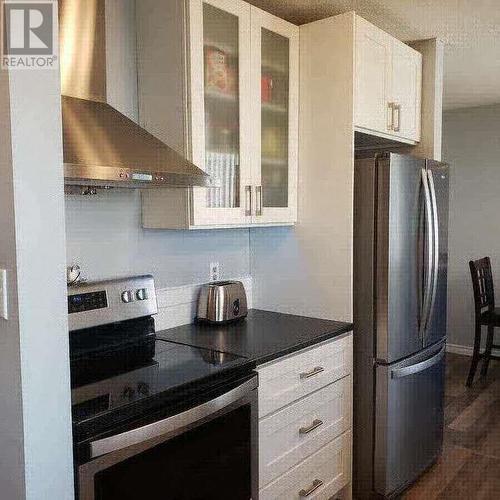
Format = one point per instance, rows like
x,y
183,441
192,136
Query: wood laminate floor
x,y
469,467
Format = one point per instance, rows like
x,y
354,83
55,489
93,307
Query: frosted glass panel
x,y
222,128
274,109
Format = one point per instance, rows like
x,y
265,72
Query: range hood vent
x,y
103,147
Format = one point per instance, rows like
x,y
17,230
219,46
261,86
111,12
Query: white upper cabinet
x,y
220,70
238,84
275,76
406,90
372,70
388,85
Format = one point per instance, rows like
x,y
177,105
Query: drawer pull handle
x,y
306,430
316,484
314,371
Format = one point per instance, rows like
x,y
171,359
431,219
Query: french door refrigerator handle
x,y
430,259
170,424
435,222
419,367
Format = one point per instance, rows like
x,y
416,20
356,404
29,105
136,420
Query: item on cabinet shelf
x,y
223,169
220,76
273,145
216,69
266,88
221,302
232,81
222,136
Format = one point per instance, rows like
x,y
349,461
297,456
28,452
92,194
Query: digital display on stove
x,y
87,302
142,177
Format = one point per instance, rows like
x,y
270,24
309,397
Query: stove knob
x,y
128,393
127,296
142,294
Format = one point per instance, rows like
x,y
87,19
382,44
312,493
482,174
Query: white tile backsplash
x,y
177,305
104,236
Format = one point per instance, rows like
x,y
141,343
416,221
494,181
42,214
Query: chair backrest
x,y
482,283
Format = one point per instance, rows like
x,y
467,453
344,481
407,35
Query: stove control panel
x,y
87,302
131,295
104,302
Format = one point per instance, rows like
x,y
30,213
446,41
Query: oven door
x,y
206,452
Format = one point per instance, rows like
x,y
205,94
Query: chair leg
x,y
487,352
476,355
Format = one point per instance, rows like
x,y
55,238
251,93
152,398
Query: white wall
x,y
308,269
35,407
471,144
104,236
11,416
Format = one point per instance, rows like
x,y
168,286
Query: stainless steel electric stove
x,y
151,416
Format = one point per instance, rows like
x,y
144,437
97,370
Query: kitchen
x,y
274,232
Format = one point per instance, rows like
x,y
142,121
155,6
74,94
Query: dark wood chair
x,y
486,314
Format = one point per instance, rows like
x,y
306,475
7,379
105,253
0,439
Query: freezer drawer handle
x,y
419,367
314,486
314,371
315,424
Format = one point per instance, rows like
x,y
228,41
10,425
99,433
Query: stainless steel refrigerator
x,y
400,282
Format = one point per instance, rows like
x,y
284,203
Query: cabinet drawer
x,y
322,474
290,435
294,377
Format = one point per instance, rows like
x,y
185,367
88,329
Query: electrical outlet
x,y
3,294
214,271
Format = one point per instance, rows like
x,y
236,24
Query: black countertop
x,y
261,337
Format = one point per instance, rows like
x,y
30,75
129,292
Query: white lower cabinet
x,y
305,409
318,477
293,433
294,377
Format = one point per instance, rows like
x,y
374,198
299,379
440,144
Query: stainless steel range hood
x,y
103,147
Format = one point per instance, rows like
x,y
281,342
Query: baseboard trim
x,y
465,350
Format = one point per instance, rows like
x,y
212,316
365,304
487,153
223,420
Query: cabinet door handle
x,y
314,486
248,201
390,115
315,424
397,123
258,201
314,371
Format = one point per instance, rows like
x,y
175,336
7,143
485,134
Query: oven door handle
x,y
171,424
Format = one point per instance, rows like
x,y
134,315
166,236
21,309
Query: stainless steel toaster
x,y
222,301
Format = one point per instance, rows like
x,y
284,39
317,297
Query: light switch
x,y
3,294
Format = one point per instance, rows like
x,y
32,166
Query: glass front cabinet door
x,y
244,113
220,71
275,67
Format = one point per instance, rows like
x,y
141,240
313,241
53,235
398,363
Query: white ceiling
x,y
470,30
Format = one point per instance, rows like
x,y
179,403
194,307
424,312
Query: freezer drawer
x,y
409,418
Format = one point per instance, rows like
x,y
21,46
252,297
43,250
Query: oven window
x,y
212,461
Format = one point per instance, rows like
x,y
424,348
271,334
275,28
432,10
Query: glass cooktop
x,y
148,371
